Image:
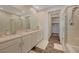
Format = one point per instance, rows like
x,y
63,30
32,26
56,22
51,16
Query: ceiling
x,y
46,7
22,8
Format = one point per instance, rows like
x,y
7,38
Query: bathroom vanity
x,y
20,42
18,33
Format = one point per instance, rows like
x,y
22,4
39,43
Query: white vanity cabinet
x,y
12,46
18,43
36,37
18,32
30,41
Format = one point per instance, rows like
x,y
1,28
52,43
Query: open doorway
x,y
55,23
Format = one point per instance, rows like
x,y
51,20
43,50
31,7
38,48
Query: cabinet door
x,y
12,46
36,37
12,49
26,43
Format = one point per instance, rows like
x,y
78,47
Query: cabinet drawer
x,y
9,43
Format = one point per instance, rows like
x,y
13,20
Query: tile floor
x,y
54,40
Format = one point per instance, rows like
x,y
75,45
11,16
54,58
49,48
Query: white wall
x,y
43,19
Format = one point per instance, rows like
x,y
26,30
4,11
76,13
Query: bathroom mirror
x,y
12,24
4,23
34,25
27,23
30,22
